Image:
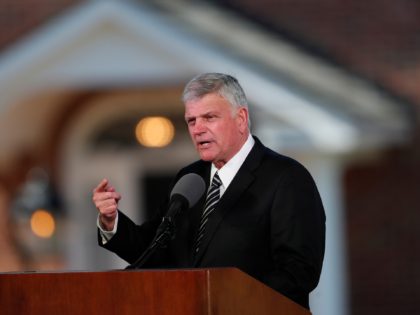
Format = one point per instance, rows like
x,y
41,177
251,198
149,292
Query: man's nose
x,y
199,127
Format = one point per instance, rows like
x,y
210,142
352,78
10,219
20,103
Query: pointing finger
x,y
102,186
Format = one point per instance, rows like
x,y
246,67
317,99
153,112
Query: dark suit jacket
x,y
270,223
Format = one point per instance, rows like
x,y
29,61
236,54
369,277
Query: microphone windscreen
x,y
190,186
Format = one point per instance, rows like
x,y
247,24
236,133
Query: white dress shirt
x,y
229,170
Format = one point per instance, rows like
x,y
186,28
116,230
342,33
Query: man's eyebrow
x,y
212,112
209,113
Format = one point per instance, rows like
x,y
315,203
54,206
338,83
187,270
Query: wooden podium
x,y
224,291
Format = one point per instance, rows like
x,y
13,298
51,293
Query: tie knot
x,y
216,180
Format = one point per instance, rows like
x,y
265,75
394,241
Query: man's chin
x,y
206,157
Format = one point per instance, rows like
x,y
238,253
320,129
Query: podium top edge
x,y
189,270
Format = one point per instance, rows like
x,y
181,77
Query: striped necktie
x,y
212,200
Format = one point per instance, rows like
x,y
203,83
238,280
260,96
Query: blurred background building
x,y
91,89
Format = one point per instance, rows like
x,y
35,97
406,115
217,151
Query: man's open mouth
x,y
203,144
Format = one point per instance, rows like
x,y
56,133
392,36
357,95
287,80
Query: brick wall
x,y
378,39
20,17
383,217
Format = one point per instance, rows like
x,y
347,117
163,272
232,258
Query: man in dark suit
x,y
265,215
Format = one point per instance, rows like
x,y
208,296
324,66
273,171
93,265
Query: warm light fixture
x,y
155,131
42,223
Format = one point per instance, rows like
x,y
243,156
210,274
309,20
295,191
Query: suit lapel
x,y
237,187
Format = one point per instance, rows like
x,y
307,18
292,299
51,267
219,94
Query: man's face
x,y
217,131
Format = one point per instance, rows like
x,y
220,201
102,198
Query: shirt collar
x,y
229,170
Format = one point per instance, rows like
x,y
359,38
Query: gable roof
x,y
112,43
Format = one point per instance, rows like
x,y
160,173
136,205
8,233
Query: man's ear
x,y
242,119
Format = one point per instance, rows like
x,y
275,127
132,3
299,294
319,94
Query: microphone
x,y
185,194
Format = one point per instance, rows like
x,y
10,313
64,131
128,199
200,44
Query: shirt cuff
x,y
107,235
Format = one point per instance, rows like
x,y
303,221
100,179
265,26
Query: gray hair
x,y
225,85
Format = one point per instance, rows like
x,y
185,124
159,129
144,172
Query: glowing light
x,y
42,223
155,132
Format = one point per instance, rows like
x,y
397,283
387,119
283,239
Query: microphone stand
x,y
165,233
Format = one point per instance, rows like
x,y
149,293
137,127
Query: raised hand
x,y
106,201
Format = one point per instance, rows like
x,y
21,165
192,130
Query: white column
x,y
330,297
